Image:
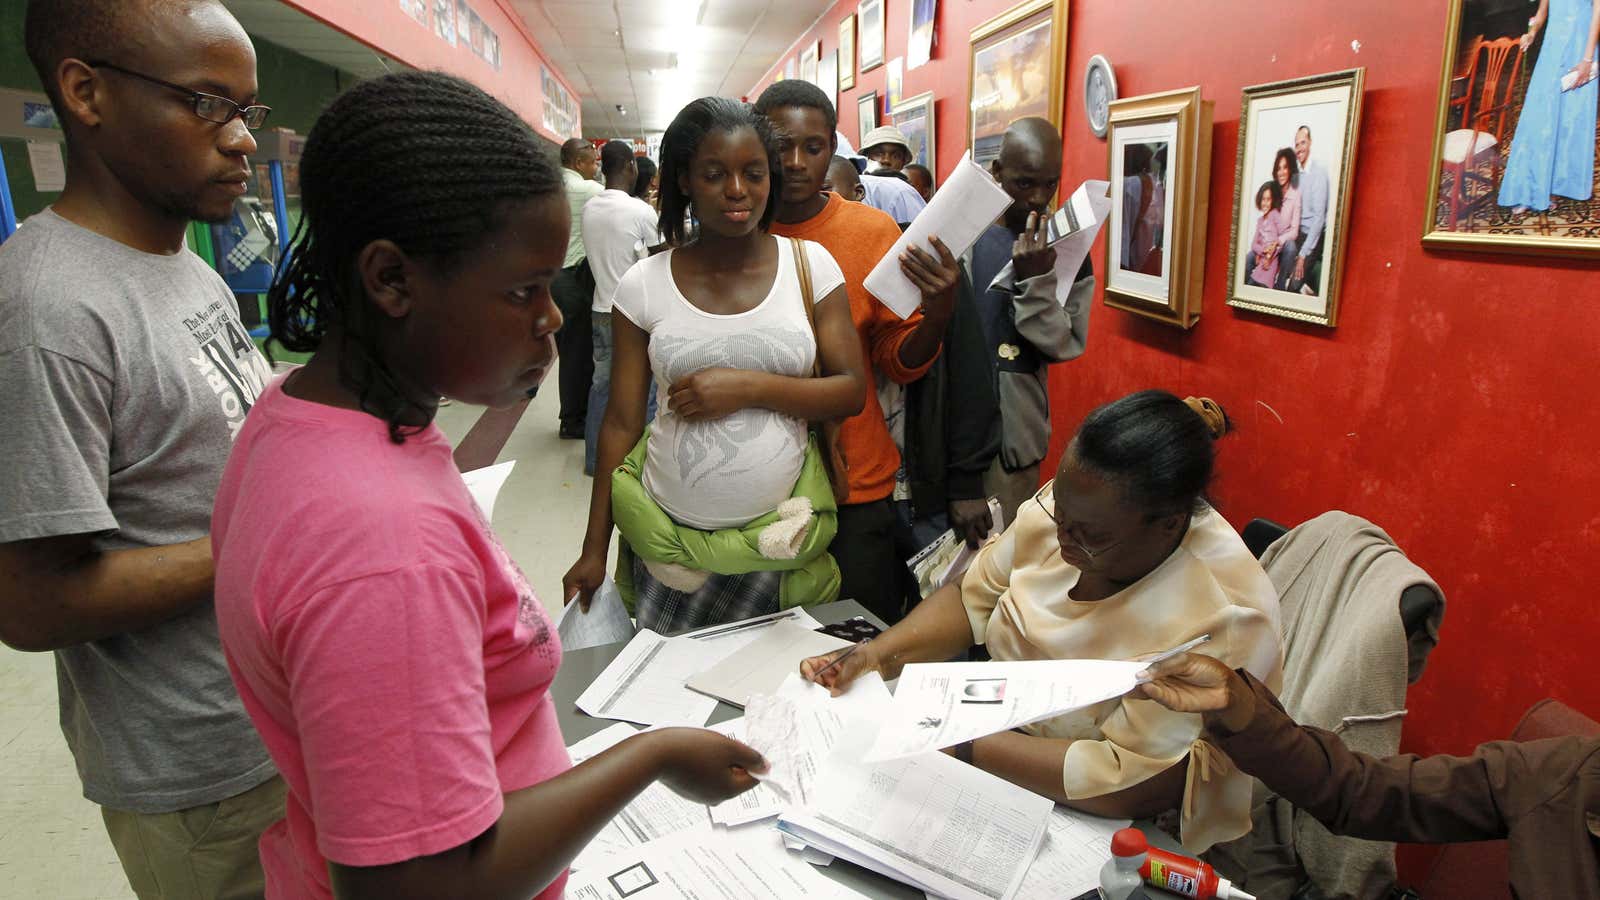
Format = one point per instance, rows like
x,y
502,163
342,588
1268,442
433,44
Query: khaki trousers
x,y
201,853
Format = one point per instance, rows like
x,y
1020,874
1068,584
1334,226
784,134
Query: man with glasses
x,y
127,373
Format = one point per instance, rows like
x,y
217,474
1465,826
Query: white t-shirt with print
x,y
725,472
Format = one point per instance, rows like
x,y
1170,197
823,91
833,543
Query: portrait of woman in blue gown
x,y
1552,152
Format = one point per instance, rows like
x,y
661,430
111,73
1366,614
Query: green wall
x,y
296,87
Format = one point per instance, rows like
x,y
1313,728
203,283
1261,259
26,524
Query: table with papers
x,y
648,839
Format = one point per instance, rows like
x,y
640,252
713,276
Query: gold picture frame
x,y
870,26
866,115
1297,149
847,52
914,117
810,57
1160,164
1027,40
1485,84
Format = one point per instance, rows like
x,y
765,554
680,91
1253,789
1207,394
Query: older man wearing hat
x,y
887,146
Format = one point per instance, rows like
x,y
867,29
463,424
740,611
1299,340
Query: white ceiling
x,y
622,51
275,21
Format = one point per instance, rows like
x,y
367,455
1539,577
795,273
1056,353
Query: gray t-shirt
x,y
123,378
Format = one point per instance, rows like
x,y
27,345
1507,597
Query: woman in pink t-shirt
x,y
394,659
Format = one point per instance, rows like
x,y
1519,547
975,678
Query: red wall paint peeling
x,y
1451,405
384,26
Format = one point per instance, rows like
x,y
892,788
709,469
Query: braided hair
x,y
423,159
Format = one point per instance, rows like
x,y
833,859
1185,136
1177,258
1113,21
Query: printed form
x,y
655,813
931,821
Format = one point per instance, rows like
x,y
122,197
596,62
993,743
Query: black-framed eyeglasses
x,y
1063,529
210,107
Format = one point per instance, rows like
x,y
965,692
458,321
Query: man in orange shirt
x,y
901,350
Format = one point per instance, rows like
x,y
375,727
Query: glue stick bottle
x,y
1120,876
1187,877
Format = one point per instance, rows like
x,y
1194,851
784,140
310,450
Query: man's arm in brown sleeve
x,y
1402,798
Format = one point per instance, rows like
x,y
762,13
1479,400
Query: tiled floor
x,y
52,843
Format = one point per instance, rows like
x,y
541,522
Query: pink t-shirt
x,y
394,659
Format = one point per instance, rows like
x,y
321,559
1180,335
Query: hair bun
x,y
1212,413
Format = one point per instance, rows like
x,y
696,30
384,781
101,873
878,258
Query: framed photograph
x,y
894,85
919,47
1160,148
789,68
809,57
866,115
1018,68
1291,202
847,53
869,19
1514,138
914,117
828,76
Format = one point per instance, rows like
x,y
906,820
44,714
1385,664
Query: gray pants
x,y
1012,489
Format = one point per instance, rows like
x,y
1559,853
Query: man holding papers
x,y
900,349
1026,326
1118,558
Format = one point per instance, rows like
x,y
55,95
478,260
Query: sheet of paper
x,y
968,202
1085,211
484,484
1068,864
938,705
655,813
645,684
764,802
721,864
49,169
606,622
931,821
761,666
798,728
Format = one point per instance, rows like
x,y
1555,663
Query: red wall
x,y
1451,405
384,26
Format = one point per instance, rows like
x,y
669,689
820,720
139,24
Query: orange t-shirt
x,y
858,236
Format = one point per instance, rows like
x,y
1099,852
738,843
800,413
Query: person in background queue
x,y
1026,326
127,374
1120,556
887,147
644,186
844,180
574,291
921,179
1543,796
393,657
618,231
901,350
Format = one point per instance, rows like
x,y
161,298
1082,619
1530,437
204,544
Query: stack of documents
x,y
647,682
931,821
947,558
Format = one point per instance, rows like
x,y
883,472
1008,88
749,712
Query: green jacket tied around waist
x,y
810,576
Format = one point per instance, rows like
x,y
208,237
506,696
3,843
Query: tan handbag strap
x,y
802,266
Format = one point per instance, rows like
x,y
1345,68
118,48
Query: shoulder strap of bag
x,y
802,265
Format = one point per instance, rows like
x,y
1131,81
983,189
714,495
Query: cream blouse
x,y
1016,595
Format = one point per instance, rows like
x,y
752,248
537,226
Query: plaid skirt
x,y
723,598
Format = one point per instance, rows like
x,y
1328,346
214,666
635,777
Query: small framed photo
x,y
1017,68
1291,204
914,117
1514,135
869,22
866,115
847,52
809,57
1160,148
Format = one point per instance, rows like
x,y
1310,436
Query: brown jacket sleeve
x,y
1403,798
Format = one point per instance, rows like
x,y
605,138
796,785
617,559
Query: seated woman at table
x,y
395,661
1120,556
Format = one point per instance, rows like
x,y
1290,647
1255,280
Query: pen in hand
x,y
838,659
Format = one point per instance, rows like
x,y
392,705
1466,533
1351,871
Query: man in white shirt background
x,y
618,231
573,289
